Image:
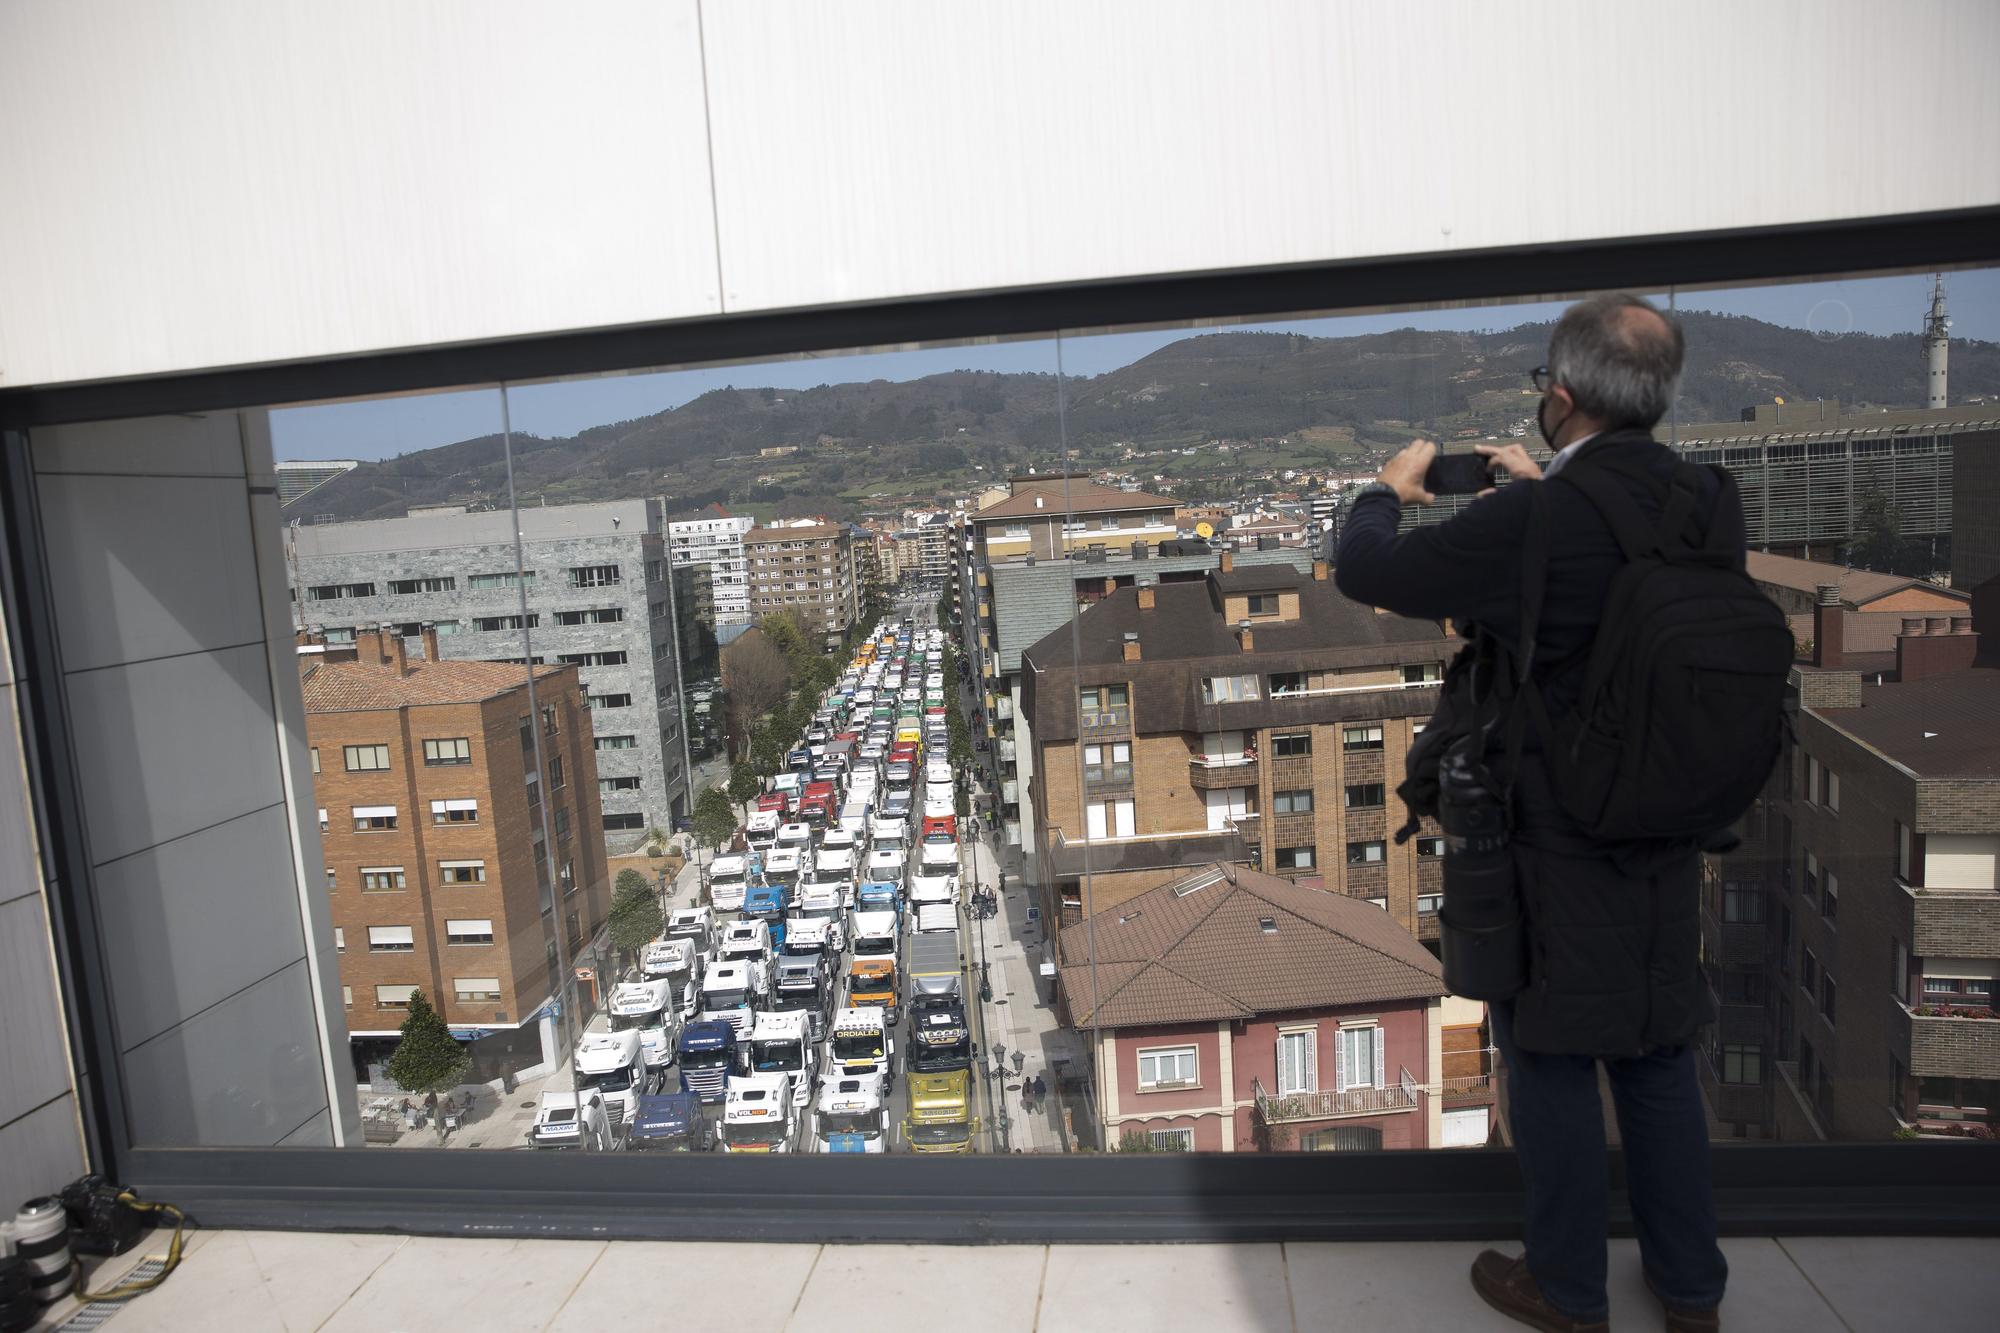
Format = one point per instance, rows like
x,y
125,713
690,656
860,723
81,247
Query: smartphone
x,y
1459,474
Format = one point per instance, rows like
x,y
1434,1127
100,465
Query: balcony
x,y
1216,773
1069,858
1107,777
1954,923
1007,750
1294,1107
1953,1045
1467,1089
1003,708
1098,721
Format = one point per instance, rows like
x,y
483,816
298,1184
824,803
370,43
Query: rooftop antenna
x,y
1937,343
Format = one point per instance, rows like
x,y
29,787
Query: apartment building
x,y
1256,716
807,567
1853,943
925,547
1232,1011
1050,514
444,843
711,538
599,598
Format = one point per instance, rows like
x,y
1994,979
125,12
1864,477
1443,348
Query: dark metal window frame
x,y
1939,1188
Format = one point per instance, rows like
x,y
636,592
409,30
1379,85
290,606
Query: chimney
x,y
1243,637
1146,597
1142,549
1935,646
1319,571
1226,561
1829,626
430,637
1131,646
391,644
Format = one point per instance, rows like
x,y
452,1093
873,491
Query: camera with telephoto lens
x,y
1481,938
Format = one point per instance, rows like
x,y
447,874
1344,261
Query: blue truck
x,y
766,902
670,1122
707,1059
880,896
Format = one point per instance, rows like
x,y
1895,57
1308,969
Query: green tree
x,y
744,784
714,817
636,918
428,1059
788,633
1878,532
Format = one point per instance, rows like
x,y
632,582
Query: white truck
x,y
886,864
558,1124
648,1008
613,1065
805,939
850,1115
861,1043
794,838
934,918
727,878
886,833
837,860
823,903
875,935
730,990
760,831
693,924
744,942
676,961
782,869
781,1043
937,858
757,1114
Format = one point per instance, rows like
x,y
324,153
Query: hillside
x,y
874,444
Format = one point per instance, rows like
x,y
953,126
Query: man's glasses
x,y
1541,379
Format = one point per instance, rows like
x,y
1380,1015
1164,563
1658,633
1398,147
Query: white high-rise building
x,y
714,537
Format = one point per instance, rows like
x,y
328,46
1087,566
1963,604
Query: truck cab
x,y
613,1064
744,942
936,857
806,939
757,1114
801,986
886,863
677,962
782,869
670,1122
559,1123
729,992
940,828
871,983
879,896
708,1058
931,890
823,903
876,934
781,1043
940,1118
760,831
773,803
834,862
940,1036
861,1042
850,1115
647,1007
764,905
727,878
796,838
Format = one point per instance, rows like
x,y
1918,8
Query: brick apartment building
x,y
1231,1011
1256,716
1853,942
808,568
434,823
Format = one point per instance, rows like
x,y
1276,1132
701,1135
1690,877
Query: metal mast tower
x,y
1937,344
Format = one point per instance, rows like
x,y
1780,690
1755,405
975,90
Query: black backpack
x,y
1682,710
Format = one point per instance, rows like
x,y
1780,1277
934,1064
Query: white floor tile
x,y
743,1288
249,1282
1150,1288
991,1289
1390,1287
433,1285
1765,1292
1904,1282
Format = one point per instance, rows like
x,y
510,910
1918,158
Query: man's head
x,y
1613,361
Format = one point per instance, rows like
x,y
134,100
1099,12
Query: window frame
x,y
1143,1053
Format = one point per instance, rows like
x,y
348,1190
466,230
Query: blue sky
x,y
384,428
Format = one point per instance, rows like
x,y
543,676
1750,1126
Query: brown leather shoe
x,y
1686,1321
1507,1286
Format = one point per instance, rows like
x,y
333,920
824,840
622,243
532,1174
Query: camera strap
x,y
1534,587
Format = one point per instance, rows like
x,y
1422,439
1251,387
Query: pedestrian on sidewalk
x,y
1041,1090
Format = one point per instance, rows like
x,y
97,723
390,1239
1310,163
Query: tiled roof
x,y
1059,495
811,532
1857,586
351,687
1195,950
1940,726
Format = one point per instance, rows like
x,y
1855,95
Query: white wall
x,y
208,183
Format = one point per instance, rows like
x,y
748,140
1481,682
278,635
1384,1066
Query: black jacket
x,y
1614,965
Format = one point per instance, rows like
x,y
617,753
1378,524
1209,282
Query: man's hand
x,y
1406,471
1513,458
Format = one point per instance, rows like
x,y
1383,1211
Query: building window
x,y
1359,1052
1903,851
1423,673
1293,858
593,576
1103,764
1109,819
1829,895
1742,904
1366,853
556,772
1430,904
607,700
455,812
367,758
605,786
393,997
1430,848
1743,988
347,997
1343,1138
333,592
1167,1067
609,615
562,824
1361,738
1742,1062
1366,795
374,818
1292,747
1263,603
489,624
382,879
457,750
462,872
469,930
470,989
1104,705
548,719
1826,997
1296,802
508,579
315,759
406,587
1170,1140
339,940
322,821
619,823
617,742
1287,682
592,659
1228,689
1809,881
1808,972
332,879
1298,1061
391,939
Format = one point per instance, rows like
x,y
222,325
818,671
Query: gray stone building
x,y
600,597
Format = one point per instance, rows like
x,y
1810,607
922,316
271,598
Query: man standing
x,y
1613,972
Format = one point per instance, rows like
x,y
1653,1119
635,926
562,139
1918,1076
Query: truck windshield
x,y
868,1124
705,1059
626,1022
614,1080
777,1056
952,1133
857,1046
867,944
717,1000
756,1134
653,1141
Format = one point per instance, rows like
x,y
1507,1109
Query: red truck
x,y
940,828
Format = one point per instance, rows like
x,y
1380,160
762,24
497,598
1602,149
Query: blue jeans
x,y
1558,1122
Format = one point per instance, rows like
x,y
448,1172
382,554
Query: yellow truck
x,y
940,1118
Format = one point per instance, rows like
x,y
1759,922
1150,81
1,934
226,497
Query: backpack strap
x,y
1534,588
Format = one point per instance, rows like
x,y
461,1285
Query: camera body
x,y
99,1223
1482,938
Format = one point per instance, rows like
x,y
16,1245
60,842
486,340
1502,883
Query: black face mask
x,y
1541,424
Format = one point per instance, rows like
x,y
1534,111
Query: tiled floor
x,y
248,1282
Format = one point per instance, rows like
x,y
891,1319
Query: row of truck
x,y
766,1019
